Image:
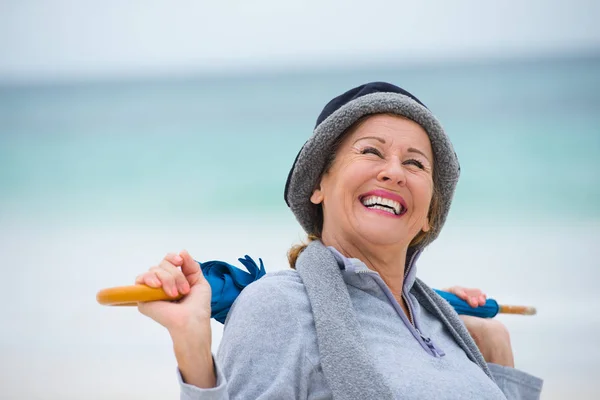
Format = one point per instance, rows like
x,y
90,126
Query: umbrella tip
x,y
530,311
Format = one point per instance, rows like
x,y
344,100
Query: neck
x,y
387,260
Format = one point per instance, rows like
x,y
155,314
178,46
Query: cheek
x,y
346,182
423,192
350,178
361,172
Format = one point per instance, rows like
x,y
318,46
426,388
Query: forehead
x,y
391,127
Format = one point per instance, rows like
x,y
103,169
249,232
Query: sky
x,y
62,39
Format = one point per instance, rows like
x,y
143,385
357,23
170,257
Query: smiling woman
x,y
372,188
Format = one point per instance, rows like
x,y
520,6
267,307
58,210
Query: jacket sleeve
x,y
190,392
262,352
516,384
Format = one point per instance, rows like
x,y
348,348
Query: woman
x,y
372,187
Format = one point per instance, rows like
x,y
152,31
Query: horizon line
x,y
291,68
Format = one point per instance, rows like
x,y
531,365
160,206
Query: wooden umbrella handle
x,y
523,310
131,295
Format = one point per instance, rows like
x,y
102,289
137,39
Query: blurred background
x,y
133,129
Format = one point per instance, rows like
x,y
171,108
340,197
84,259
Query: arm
x,y
191,392
262,352
493,340
188,321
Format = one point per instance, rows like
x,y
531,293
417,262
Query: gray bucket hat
x,y
337,116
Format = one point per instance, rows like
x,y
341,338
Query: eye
x,y
371,150
417,163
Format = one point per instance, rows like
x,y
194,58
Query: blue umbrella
x,y
228,281
489,310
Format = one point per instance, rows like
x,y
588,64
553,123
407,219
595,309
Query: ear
x,y
317,196
426,227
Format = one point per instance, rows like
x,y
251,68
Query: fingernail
x,y
178,259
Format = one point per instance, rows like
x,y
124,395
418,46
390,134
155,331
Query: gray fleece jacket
x,y
271,348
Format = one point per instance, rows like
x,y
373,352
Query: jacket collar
x,y
354,265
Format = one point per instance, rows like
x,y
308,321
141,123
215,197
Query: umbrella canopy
x,y
489,310
227,282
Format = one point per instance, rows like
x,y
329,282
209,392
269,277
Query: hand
x,y
178,274
475,297
188,320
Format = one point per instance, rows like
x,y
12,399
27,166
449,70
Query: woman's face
x,y
380,185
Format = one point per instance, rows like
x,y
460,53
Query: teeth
x,y
389,203
377,202
383,209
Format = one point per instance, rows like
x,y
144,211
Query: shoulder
x,y
277,294
286,282
276,309
269,339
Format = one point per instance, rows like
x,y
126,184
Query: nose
x,y
393,172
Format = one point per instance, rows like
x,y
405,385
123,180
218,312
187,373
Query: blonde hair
x,y
433,215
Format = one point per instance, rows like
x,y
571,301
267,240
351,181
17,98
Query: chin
x,y
382,235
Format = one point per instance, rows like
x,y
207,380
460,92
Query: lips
x,y
385,202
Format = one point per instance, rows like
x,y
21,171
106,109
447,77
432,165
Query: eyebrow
x,y
382,141
413,150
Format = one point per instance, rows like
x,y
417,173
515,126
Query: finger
x,y
482,300
458,291
174,259
139,279
190,268
180,282
474,302
478,297
149,279
152,280
167,280
473,292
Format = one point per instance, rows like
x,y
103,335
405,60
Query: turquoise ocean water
x,y
98,180
527,135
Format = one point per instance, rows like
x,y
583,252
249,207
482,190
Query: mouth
x,y
384,201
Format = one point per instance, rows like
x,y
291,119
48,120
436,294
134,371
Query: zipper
x,y
408,305
425,341
410,314
434,349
